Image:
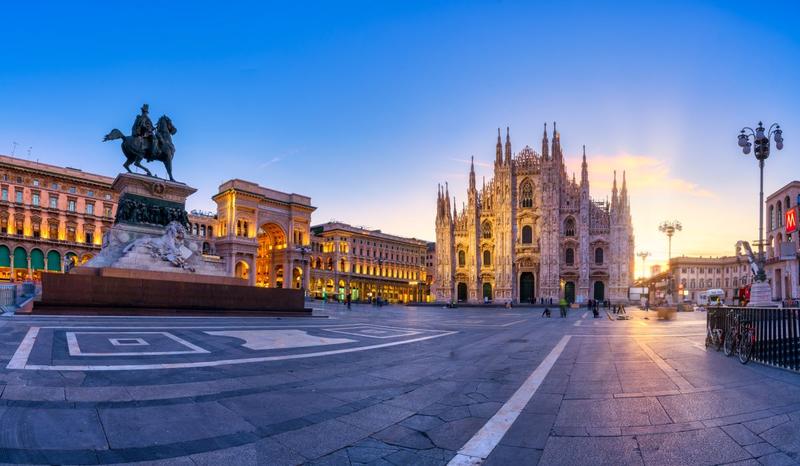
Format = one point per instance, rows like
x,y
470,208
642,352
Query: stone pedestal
x,y
142,239
761,295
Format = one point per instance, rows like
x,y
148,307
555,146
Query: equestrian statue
x,y
147,142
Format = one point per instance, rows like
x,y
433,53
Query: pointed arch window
x,y
569,256
598,256
486,229
462,258
487,258
526,194
569,227
527,234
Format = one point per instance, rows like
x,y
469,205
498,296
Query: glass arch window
x,y
569,227
462,259
526,194
527,234
486,229
569,256
487,258
598,256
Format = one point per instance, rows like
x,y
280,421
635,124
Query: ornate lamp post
x,y
669,228
761,139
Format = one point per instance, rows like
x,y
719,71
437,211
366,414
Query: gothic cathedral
x,y
531,233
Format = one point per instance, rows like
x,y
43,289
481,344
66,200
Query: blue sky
x,y
366,106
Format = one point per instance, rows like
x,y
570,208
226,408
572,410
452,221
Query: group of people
x,y
592,304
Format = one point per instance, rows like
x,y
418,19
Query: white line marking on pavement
x,y
75,349
512,323
584,315
673,375
21,362
478,448
577,323
20,357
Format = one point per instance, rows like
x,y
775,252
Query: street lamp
x,y
643,255
670,227
761,138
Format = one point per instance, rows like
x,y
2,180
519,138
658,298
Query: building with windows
x,y
368,264
201,227
532,233
48,213
692,275
263,235
783,242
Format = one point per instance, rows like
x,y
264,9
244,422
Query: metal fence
x,y
777,332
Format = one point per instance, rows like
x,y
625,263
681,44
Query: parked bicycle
x,y
741,339
714,336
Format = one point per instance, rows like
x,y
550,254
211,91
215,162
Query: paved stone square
x,y
389,385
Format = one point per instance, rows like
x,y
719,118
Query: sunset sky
x,y
366,106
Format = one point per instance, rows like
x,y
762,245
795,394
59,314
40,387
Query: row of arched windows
x,y
776,213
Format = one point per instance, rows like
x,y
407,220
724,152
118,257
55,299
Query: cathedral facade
x,y
531,233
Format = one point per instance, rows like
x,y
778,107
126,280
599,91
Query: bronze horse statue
x,y
138,148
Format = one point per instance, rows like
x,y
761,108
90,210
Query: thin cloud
x,y
643,173
467,161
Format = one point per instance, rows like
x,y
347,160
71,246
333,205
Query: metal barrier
x,y
8,294
777,332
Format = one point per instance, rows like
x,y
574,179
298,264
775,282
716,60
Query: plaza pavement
x,y
390,385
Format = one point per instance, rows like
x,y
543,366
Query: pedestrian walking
x,y
347,300
563,307
546,312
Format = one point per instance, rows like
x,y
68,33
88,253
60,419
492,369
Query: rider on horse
x,y
143,131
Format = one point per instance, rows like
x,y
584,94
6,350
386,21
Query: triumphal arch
x,y
263,234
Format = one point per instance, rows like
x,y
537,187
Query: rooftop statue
x,y
147,142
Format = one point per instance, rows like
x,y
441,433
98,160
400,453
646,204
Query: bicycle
x,y
741,338
714,336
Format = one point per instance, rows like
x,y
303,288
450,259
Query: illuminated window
x,y
526,194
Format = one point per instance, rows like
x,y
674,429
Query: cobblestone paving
x,y
390,385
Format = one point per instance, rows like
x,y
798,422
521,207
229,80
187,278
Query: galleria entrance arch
x,y
267,229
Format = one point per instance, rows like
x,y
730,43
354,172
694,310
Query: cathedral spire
x,y
623,195
508,146
447,200
472,173
499,155
545,144
584,169
614,197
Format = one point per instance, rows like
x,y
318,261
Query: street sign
x,y
791,220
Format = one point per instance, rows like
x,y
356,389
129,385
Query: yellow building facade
x,y
48,213
367,264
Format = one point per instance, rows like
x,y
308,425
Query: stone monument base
x,y
761,295
126,292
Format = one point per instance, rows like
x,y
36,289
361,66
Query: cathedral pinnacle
x,y
499,156
472,173
508,145
614,197
584,169
545,148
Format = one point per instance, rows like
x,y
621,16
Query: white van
x,y
713,297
